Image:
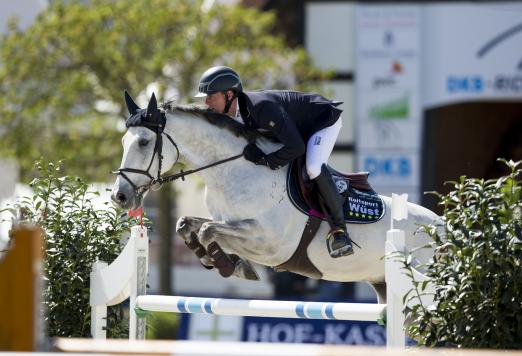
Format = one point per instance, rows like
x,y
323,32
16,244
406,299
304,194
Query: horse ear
x,y
131,105
152,108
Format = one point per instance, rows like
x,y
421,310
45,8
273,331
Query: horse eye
x,y
143,142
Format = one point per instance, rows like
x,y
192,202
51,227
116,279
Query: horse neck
x,y
201,143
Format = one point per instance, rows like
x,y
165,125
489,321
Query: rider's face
x,y
216,101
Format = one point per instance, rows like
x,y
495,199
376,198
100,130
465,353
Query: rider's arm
x,y
274,118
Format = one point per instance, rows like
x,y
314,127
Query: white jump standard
x,y
261,308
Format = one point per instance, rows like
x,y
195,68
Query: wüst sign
x,y
262,329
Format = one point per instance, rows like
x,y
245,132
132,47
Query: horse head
x,y
144,156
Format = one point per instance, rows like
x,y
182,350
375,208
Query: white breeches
x,y
319,148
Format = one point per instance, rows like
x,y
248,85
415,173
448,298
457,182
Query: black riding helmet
x,y
220,79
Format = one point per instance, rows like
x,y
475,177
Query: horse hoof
x,y
226,272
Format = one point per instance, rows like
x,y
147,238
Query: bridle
x,y
159,129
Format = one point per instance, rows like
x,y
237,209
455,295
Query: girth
x,y
299,262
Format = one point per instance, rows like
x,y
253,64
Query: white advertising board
x,y
398,168
472,52
388,95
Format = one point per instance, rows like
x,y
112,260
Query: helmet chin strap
x,y
228,103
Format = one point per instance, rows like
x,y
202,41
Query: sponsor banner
x,y
257,329
387,73
397,104
387,46
472,52
313,331
388,134
387,89
398,168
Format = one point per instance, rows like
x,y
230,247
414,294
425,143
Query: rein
x,y
182,174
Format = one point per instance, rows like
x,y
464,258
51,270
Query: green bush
x,y
76,234
476,271
162,326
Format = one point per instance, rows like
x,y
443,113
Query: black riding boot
x,y
338,240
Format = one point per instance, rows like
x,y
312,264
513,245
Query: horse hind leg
x,y
244,269
231,236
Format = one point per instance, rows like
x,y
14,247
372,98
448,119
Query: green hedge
x,y
162,326
476,270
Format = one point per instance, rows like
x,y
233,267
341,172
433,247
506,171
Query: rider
x,y
303,123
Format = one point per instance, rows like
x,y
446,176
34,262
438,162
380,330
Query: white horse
x,y
252,215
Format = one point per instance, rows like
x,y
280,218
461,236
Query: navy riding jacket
x,y
291,117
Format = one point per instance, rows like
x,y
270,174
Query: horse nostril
x,y
120,197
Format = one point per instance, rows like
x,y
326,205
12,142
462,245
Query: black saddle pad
x,y
361,206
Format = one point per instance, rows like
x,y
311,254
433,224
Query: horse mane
x,y
217,119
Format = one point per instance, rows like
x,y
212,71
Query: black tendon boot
x,y
338,240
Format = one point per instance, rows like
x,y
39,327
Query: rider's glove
x,y
253,154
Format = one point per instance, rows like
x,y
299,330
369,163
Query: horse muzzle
x,y
124,196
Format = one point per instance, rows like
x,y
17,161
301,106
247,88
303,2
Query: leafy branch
x,y
476,272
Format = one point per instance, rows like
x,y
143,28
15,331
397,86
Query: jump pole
x,y
261,308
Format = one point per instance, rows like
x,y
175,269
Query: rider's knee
x,y
313,170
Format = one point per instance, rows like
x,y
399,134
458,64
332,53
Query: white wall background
x,y
329,40
329,35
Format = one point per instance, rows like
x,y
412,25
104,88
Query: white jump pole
x,y
262,308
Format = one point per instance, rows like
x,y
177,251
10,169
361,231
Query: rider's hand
x,y
253,154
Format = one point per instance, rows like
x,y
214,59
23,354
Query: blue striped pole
x,y
262,308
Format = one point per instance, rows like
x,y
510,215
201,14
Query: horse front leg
x,y
241,237
187,228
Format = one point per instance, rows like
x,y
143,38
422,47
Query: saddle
x,y
361,205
